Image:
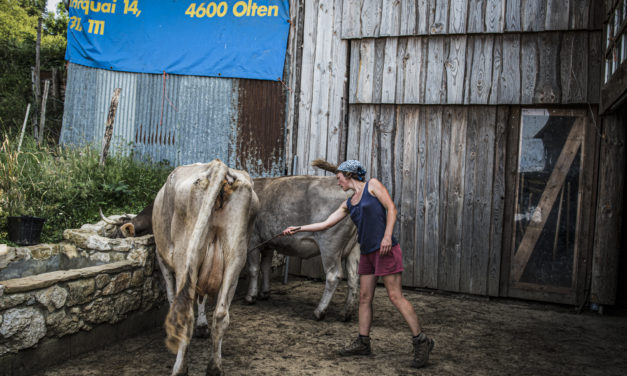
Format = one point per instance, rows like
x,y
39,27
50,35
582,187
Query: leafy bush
x,y
67,186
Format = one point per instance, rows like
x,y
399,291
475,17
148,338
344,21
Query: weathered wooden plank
x,y
401,62
388,84
294,63
498,200
509,80
457,16
390,18
304,111
408,17
386,129
497,69
542,211
579,14
455,69
494,16
480,75
432,199
411,249
351,22
528,67
557,12
397,156
470,186
434,90
354,130
438,17
511,182
533,15
548,89
595,48
353,73
450,255
420,197
366,135
412,64
379,62
422,17
321,80
476,11
366,71
609,211
483,200
445,151
337,105
375,157
512,15
574,67
370,18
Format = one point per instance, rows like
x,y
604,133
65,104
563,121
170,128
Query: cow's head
x,y
120,228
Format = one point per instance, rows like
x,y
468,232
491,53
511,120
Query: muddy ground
x,y
474,336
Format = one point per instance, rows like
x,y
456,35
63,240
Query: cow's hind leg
x,y
253,262
167,277
332,267
180,365
352,279
266,265
221,317
202,321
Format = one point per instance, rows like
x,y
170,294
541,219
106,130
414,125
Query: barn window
x,y
615,39
547,203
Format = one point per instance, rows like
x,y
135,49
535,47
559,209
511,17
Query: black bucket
x,y
25,230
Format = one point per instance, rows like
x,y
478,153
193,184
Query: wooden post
x,y
113,107
42,122
37,79
19,145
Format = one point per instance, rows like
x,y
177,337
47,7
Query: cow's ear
x,y
128,230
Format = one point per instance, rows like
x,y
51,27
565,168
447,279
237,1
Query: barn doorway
x,y
546,254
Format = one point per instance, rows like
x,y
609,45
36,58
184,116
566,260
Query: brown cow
x,y
127,226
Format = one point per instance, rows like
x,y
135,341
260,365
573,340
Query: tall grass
x,y
66,186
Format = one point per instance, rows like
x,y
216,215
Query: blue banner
x,y
240,39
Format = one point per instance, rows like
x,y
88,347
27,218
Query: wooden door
x,y
548,249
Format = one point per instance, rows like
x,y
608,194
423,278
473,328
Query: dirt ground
x,y
474,336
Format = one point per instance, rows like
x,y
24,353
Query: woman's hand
x,y
291,230
386,245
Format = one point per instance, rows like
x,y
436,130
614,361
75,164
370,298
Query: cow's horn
x,y
107,219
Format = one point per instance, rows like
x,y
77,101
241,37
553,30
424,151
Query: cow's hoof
x,y
181,372
264,295
250,299
212,370
319,315
346,316
202,331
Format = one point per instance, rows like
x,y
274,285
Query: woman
x,y
372,210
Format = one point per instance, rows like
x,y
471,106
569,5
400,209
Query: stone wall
x,y
68,302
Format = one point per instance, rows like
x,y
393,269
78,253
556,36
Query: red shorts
x,y
375,263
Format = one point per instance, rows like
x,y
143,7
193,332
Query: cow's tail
x,y
323,164
180,319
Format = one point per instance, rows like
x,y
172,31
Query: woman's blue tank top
x,y
370,218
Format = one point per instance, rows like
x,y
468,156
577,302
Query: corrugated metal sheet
x,y
181,119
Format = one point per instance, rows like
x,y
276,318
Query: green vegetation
x,y
18,39
66,185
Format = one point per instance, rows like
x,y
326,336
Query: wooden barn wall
x,y
609,210
512,69
384,18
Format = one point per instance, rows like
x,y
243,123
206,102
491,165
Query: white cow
x,y
202,219
295,200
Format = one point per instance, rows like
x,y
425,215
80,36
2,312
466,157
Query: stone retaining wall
x,y
56,304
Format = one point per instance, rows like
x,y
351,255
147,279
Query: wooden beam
x,y
542,211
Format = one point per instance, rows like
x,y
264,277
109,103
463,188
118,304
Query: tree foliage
x,y
18,38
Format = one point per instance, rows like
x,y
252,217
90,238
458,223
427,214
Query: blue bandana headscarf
x,y
353,166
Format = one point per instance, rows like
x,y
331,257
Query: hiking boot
x,y
360,346
422,347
